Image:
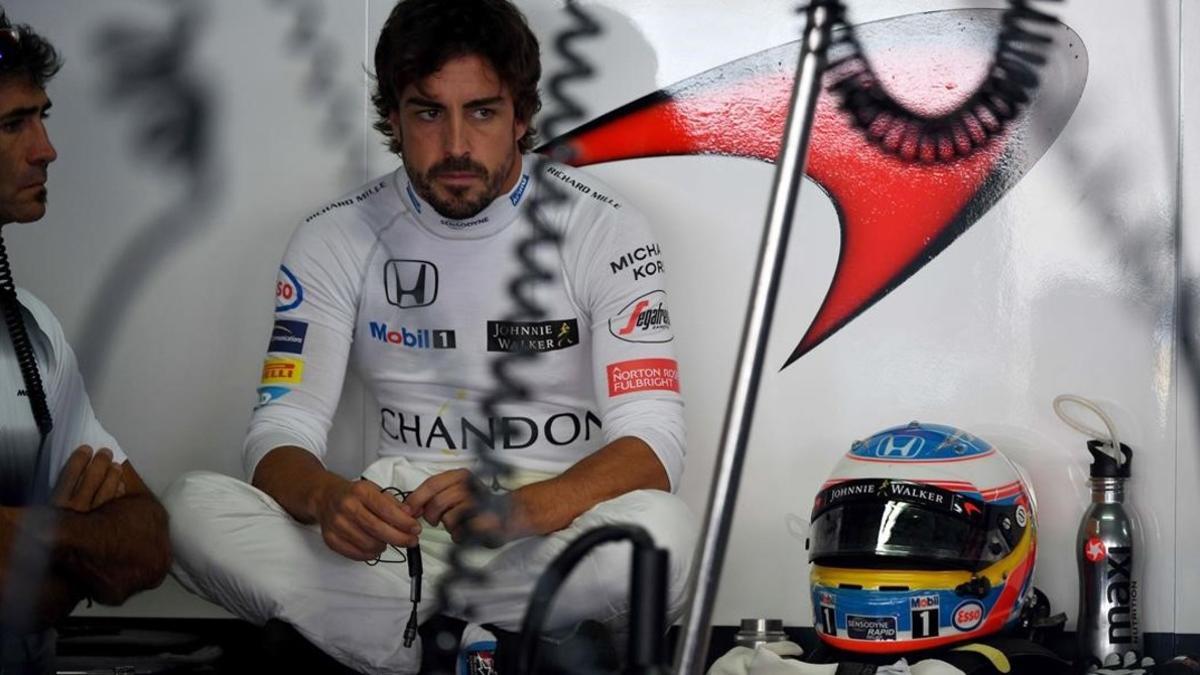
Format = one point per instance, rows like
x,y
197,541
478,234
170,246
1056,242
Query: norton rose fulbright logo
x,y
628,377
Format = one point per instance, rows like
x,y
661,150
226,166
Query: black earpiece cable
x,y
412,556
26,360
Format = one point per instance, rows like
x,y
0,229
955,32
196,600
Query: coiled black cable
x,y
546,196
896,130
646,559
26,359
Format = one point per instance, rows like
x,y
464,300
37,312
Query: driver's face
x,y
458,133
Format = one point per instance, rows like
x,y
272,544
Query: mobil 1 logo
x,y
828,615
924,616
874,628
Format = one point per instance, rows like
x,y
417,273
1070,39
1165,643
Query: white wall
x,y
1067,285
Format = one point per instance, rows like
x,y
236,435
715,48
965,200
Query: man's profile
x,y
406,280
76,520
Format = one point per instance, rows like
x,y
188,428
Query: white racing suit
x,y
417,304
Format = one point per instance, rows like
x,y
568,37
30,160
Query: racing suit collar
x,y
495,217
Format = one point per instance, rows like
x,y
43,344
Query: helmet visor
x,y
885,523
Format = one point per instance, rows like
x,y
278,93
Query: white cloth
x,y
377,280
768,659
70,409
236,546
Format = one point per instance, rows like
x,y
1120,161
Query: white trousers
x,y
235,546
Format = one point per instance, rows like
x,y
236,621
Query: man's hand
x,y
448,498
358,520
88,480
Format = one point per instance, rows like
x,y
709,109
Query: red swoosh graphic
x,y
895,216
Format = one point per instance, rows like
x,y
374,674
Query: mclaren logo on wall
x,y
912,211
410,283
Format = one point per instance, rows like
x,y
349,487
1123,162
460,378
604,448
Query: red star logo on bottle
x,y
1094,550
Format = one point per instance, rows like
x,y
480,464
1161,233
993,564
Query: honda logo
x,y
899,446
410,283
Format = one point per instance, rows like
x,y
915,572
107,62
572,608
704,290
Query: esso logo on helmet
x,y
968,615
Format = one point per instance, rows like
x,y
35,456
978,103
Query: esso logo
x,y
288,291
968,615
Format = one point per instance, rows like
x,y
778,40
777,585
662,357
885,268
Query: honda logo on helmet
x,y
410,283
899,446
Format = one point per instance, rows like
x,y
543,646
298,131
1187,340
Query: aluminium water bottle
x,y
1108,563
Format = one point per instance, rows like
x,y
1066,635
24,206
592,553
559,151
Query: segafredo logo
x,y
646,319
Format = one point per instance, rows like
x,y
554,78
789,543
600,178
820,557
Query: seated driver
x,y
406,280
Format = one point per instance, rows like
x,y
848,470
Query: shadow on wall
x,y
624,62
154,72
1151,256
307,41
155,76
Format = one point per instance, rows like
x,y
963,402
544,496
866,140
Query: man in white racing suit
x,y
407,280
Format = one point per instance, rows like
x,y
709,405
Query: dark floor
x,y
187,646
228,646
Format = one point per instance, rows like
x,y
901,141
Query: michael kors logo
x,y
410,283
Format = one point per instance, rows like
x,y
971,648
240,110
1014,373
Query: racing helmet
x,y
923,536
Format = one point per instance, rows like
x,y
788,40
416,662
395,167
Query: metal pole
x,y
739,414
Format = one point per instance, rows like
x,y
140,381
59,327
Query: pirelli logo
x,y
283,371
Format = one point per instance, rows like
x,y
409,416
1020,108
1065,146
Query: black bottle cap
x,y
1104,466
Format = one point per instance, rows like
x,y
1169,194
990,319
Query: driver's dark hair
x,y
34,58
420,36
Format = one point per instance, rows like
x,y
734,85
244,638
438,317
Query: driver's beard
x,y
459,206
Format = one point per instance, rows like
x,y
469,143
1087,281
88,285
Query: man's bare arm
x,y
622,466
22,557
357,520
106,553
119,548
296,479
